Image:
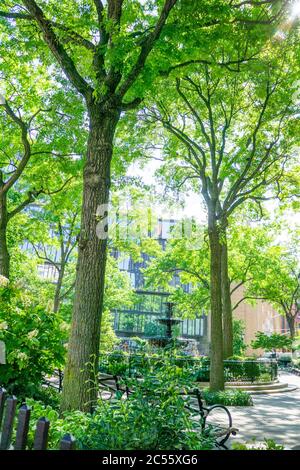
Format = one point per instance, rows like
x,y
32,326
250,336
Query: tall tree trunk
x,y
4,253
291,319
216,340
226,300
80,378
58,287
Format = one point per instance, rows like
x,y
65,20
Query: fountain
x,y
169,322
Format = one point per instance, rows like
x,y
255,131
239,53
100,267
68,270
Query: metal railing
x,y
234,371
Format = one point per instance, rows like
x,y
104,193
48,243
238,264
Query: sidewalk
x,y
274,416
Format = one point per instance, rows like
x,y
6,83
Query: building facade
x,y
142,319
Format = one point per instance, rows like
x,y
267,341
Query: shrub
x,y
75,423
267,444
115,363
239,345
34,339
269,343
296,363
153,417
227,398
153,329
264,377
284,359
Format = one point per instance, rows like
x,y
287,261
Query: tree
x,y
56,245
272,275
184,259
232,156
35,155
15,168
103,92
103,50
239,345
269,343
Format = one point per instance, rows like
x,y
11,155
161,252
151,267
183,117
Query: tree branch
x,y
248,297
32,195
57,48
146,48
27,149
73,35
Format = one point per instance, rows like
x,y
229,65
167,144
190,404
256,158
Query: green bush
x,y
34,339
236,357
75,423
267,444
115,363
227,398
296,363
284,359
239,345
153,329
153,417
264,377
242,370
272,342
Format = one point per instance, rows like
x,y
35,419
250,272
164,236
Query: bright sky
x,y
193,201
295,10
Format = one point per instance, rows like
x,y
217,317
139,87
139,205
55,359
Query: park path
x,y
274,416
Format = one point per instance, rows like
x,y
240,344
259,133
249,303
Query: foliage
x,y
108,339
118,292
153,329
115,363
269,343
268,268
296,363
34,339
117,57
153,417
267,444
186,260
74,423
155,409
237,369
118,289
48,396
227,398
239,346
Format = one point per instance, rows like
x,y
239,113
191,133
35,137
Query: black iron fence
x,y
235,371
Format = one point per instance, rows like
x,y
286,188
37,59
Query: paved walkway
x,y
275,416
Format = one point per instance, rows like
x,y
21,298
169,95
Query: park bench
x,y
8,410
215,420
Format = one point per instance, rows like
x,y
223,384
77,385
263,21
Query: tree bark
x,y
226,300
291,319
58,287
80,378
4,253
216,340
